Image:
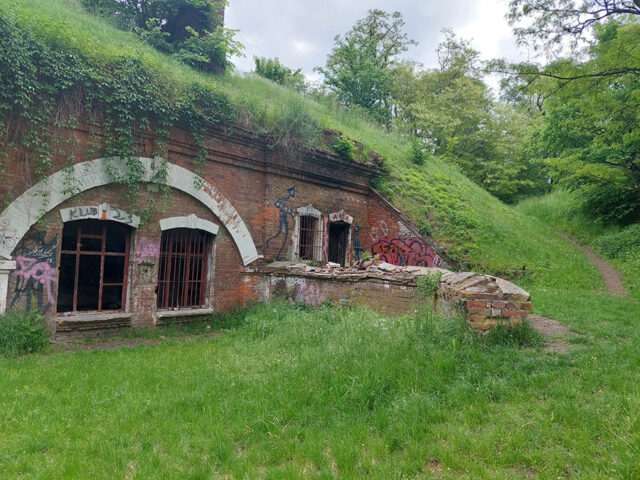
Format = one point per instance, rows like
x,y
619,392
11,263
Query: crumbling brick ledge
x,y
393,290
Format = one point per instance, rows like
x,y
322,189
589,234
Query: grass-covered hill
x,y
50,50
289,392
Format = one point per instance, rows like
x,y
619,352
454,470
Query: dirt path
x,y
611,276
553,331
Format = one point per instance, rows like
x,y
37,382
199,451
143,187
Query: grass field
x,y
287,392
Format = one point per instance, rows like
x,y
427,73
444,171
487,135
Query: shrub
x,y
417,153
22,332
618,244
428,284
344,147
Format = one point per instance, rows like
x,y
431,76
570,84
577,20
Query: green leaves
x,y
192,30
359,69
272,69
590,133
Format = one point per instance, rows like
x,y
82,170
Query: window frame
x,y
164,296
317,233
78,252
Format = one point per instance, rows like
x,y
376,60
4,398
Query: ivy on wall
x,y
46,87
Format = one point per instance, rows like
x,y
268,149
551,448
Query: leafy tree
x,y
272,69
450,110
548,23
192,30
360,68
590,132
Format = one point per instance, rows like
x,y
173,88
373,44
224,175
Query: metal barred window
x,y
184,262
94,261
310,246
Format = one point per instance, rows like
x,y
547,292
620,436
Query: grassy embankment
x,y
289,393
620,246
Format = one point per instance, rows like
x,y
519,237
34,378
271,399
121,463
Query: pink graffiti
x,y
341,216
146,250
410,252
31,269
7,235
310,294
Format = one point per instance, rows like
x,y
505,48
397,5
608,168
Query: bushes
x,y
618,244
21,333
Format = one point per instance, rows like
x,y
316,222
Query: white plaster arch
x,y
29,207
189,221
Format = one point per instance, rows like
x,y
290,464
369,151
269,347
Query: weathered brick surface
x,y
251,176
386,297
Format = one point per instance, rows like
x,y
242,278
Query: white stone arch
x,y
29,207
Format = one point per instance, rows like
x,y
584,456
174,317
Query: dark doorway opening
x,y
94,262
338,236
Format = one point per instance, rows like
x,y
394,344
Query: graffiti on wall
x,y
8,235
310,293
36,272
285,210
406,252
146,251
101,212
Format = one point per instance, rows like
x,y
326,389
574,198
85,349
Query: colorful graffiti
x,y
36,272
406,252
146,251
284,206
8,235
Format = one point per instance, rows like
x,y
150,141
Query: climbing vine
x,y
48,87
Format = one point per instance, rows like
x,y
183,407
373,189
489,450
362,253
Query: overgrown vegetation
x,y
428,284
73,86
291,392
566,212
22,333
190,30
272,69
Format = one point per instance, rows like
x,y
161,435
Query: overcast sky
x,y
301,32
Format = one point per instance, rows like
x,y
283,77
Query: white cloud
x,y
300,33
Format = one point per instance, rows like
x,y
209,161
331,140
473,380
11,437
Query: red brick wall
x,y
248,173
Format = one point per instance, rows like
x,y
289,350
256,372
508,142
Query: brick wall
x,y
385,296
246,172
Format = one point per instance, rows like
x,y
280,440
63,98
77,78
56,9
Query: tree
x,y
590,133
548,23
272,69
192,30
360,68
451,111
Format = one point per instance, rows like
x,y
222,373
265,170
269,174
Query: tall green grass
x,y
292,392
21,333
621,246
